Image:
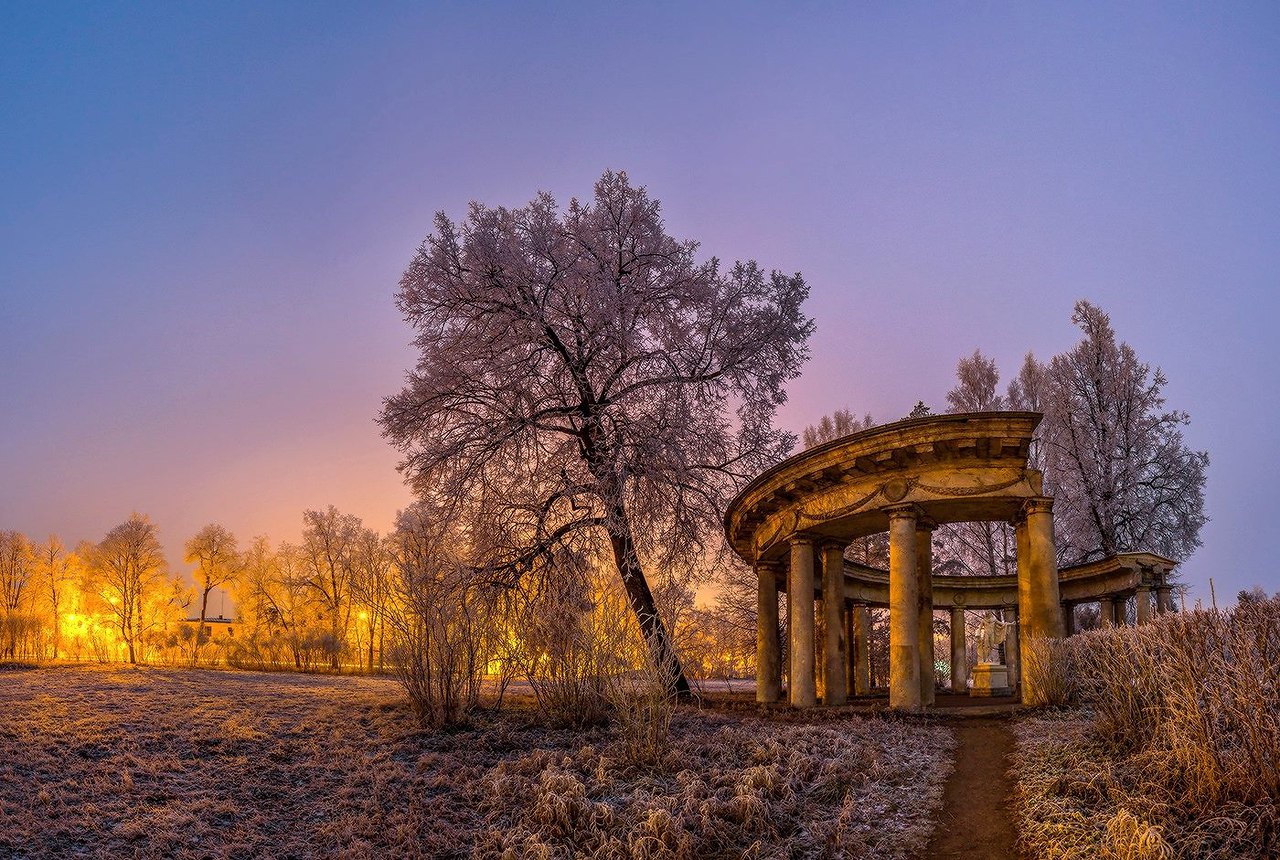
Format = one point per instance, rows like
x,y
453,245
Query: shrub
x,y
643,703
574,638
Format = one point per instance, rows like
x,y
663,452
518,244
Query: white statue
x,y
991,634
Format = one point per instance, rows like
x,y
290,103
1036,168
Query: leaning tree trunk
x,y
641,599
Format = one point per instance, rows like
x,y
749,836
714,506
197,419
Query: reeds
x,y
1182,752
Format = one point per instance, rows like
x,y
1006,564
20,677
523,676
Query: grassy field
x,y
110,761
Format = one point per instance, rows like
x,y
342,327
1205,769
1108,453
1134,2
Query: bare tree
x,y
214,552
55,573
582,379
840,423
445,616
328,552
17,569
130,562
979,548
273,597
1123,477
371,587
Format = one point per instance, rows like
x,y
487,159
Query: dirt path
x,y
976,821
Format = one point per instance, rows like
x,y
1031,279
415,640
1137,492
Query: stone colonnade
x,y
1112,609
911,657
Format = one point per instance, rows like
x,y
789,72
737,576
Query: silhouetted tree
x,y
17,570
584,383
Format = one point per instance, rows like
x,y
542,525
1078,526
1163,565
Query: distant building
x,y
214,628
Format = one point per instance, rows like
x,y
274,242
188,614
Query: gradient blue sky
x,y
206,207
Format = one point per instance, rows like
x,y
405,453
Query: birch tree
x,y
583,382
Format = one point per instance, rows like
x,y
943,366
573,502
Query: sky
x,y
205,209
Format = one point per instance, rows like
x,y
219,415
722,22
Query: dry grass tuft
x,y
1129,838
1047,665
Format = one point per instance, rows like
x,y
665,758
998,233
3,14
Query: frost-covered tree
x,y
980,548
842,422
1123,478
976,381
130,565
584,384
329,543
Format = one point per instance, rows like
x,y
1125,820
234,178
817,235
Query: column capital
x,y
770,564
900,512
803,538
831,543
1038,505
925,524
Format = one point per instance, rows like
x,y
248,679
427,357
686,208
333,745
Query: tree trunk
x,y
204,608
641,599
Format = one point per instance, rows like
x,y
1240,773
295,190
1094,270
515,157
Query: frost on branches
x,y
1113,455
584,386
1121,474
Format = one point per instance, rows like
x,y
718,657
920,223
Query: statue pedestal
x,y
990,679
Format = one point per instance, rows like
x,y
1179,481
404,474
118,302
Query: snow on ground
x,y
113,761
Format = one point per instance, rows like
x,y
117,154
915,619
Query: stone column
x,y
1068,619
1143,614
837,650
904,611
861,650
1117,612
1039,601
959,654
803,691
768,640
1012,656
924,574
1164,599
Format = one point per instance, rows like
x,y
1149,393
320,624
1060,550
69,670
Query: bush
x,y
643,704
